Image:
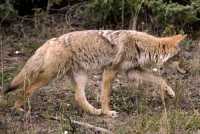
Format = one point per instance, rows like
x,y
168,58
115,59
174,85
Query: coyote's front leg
x,y
146,76
80,80
108,76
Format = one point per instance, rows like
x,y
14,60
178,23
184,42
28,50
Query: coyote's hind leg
x,y
81,79
27,92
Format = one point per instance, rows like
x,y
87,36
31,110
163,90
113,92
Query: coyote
x,y
108,51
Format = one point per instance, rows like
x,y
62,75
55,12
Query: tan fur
x,y
108,76
106,51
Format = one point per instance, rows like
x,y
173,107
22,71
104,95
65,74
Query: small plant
x,y
6,10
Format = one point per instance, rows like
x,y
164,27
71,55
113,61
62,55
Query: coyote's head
x,y
169,47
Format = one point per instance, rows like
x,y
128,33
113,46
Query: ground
x,y
141,110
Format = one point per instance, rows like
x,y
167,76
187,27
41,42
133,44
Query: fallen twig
x,y
87,125
84,124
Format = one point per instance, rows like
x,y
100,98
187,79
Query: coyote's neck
x,y
157,54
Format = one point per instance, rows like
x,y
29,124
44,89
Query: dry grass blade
x,y
2,69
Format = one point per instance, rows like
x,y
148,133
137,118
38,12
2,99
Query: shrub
x,y
6,10
168,15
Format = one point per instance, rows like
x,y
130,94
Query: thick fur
x,y
107,51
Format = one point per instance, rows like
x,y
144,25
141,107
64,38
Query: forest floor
x,y
141,111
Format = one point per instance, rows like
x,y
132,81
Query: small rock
x,y
17,52
155,69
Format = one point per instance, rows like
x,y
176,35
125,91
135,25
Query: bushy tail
x,y
28,73
16,83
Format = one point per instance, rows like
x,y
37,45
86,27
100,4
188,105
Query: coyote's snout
x,y
107,51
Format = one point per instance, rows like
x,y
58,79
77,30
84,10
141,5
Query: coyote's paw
x,y
97,112
169,91
19,105
111,113
17,111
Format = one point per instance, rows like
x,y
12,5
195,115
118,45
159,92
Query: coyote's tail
x,y
28,73
9,87
19,80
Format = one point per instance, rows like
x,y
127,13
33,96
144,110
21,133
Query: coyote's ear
x,y
178,38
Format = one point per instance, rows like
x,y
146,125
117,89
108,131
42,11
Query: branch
x,y
84,124
87,125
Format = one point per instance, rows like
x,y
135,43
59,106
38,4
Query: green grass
x,y
5,77
188,123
